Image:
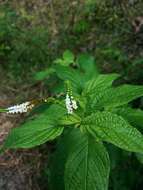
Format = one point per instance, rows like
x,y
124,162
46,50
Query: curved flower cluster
x,y
71,104
21,108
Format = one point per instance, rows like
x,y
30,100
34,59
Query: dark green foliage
x,y
22,48
103,115
126,171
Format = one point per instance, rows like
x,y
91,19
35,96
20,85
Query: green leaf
x,y
67,73
59,157
39,76
87,166
37,131
115,97
133,116
59,61
70,119
114,129
86,62
87,65
99,83
68,57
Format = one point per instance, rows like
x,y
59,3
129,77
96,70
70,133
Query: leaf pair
x,y
114,129
85,161
83,71
103,94
113,124
87,166
37,131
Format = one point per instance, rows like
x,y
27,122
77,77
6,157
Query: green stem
x,y
52,100
68,86
3,110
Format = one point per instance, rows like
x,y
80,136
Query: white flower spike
x,y
21,108
71,104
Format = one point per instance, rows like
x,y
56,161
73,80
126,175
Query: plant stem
x,y
3,110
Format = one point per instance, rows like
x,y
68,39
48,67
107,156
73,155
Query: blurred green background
x,y
34,33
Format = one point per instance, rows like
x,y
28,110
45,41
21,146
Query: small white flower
x,y
68,104
21,108
74,104
71,104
